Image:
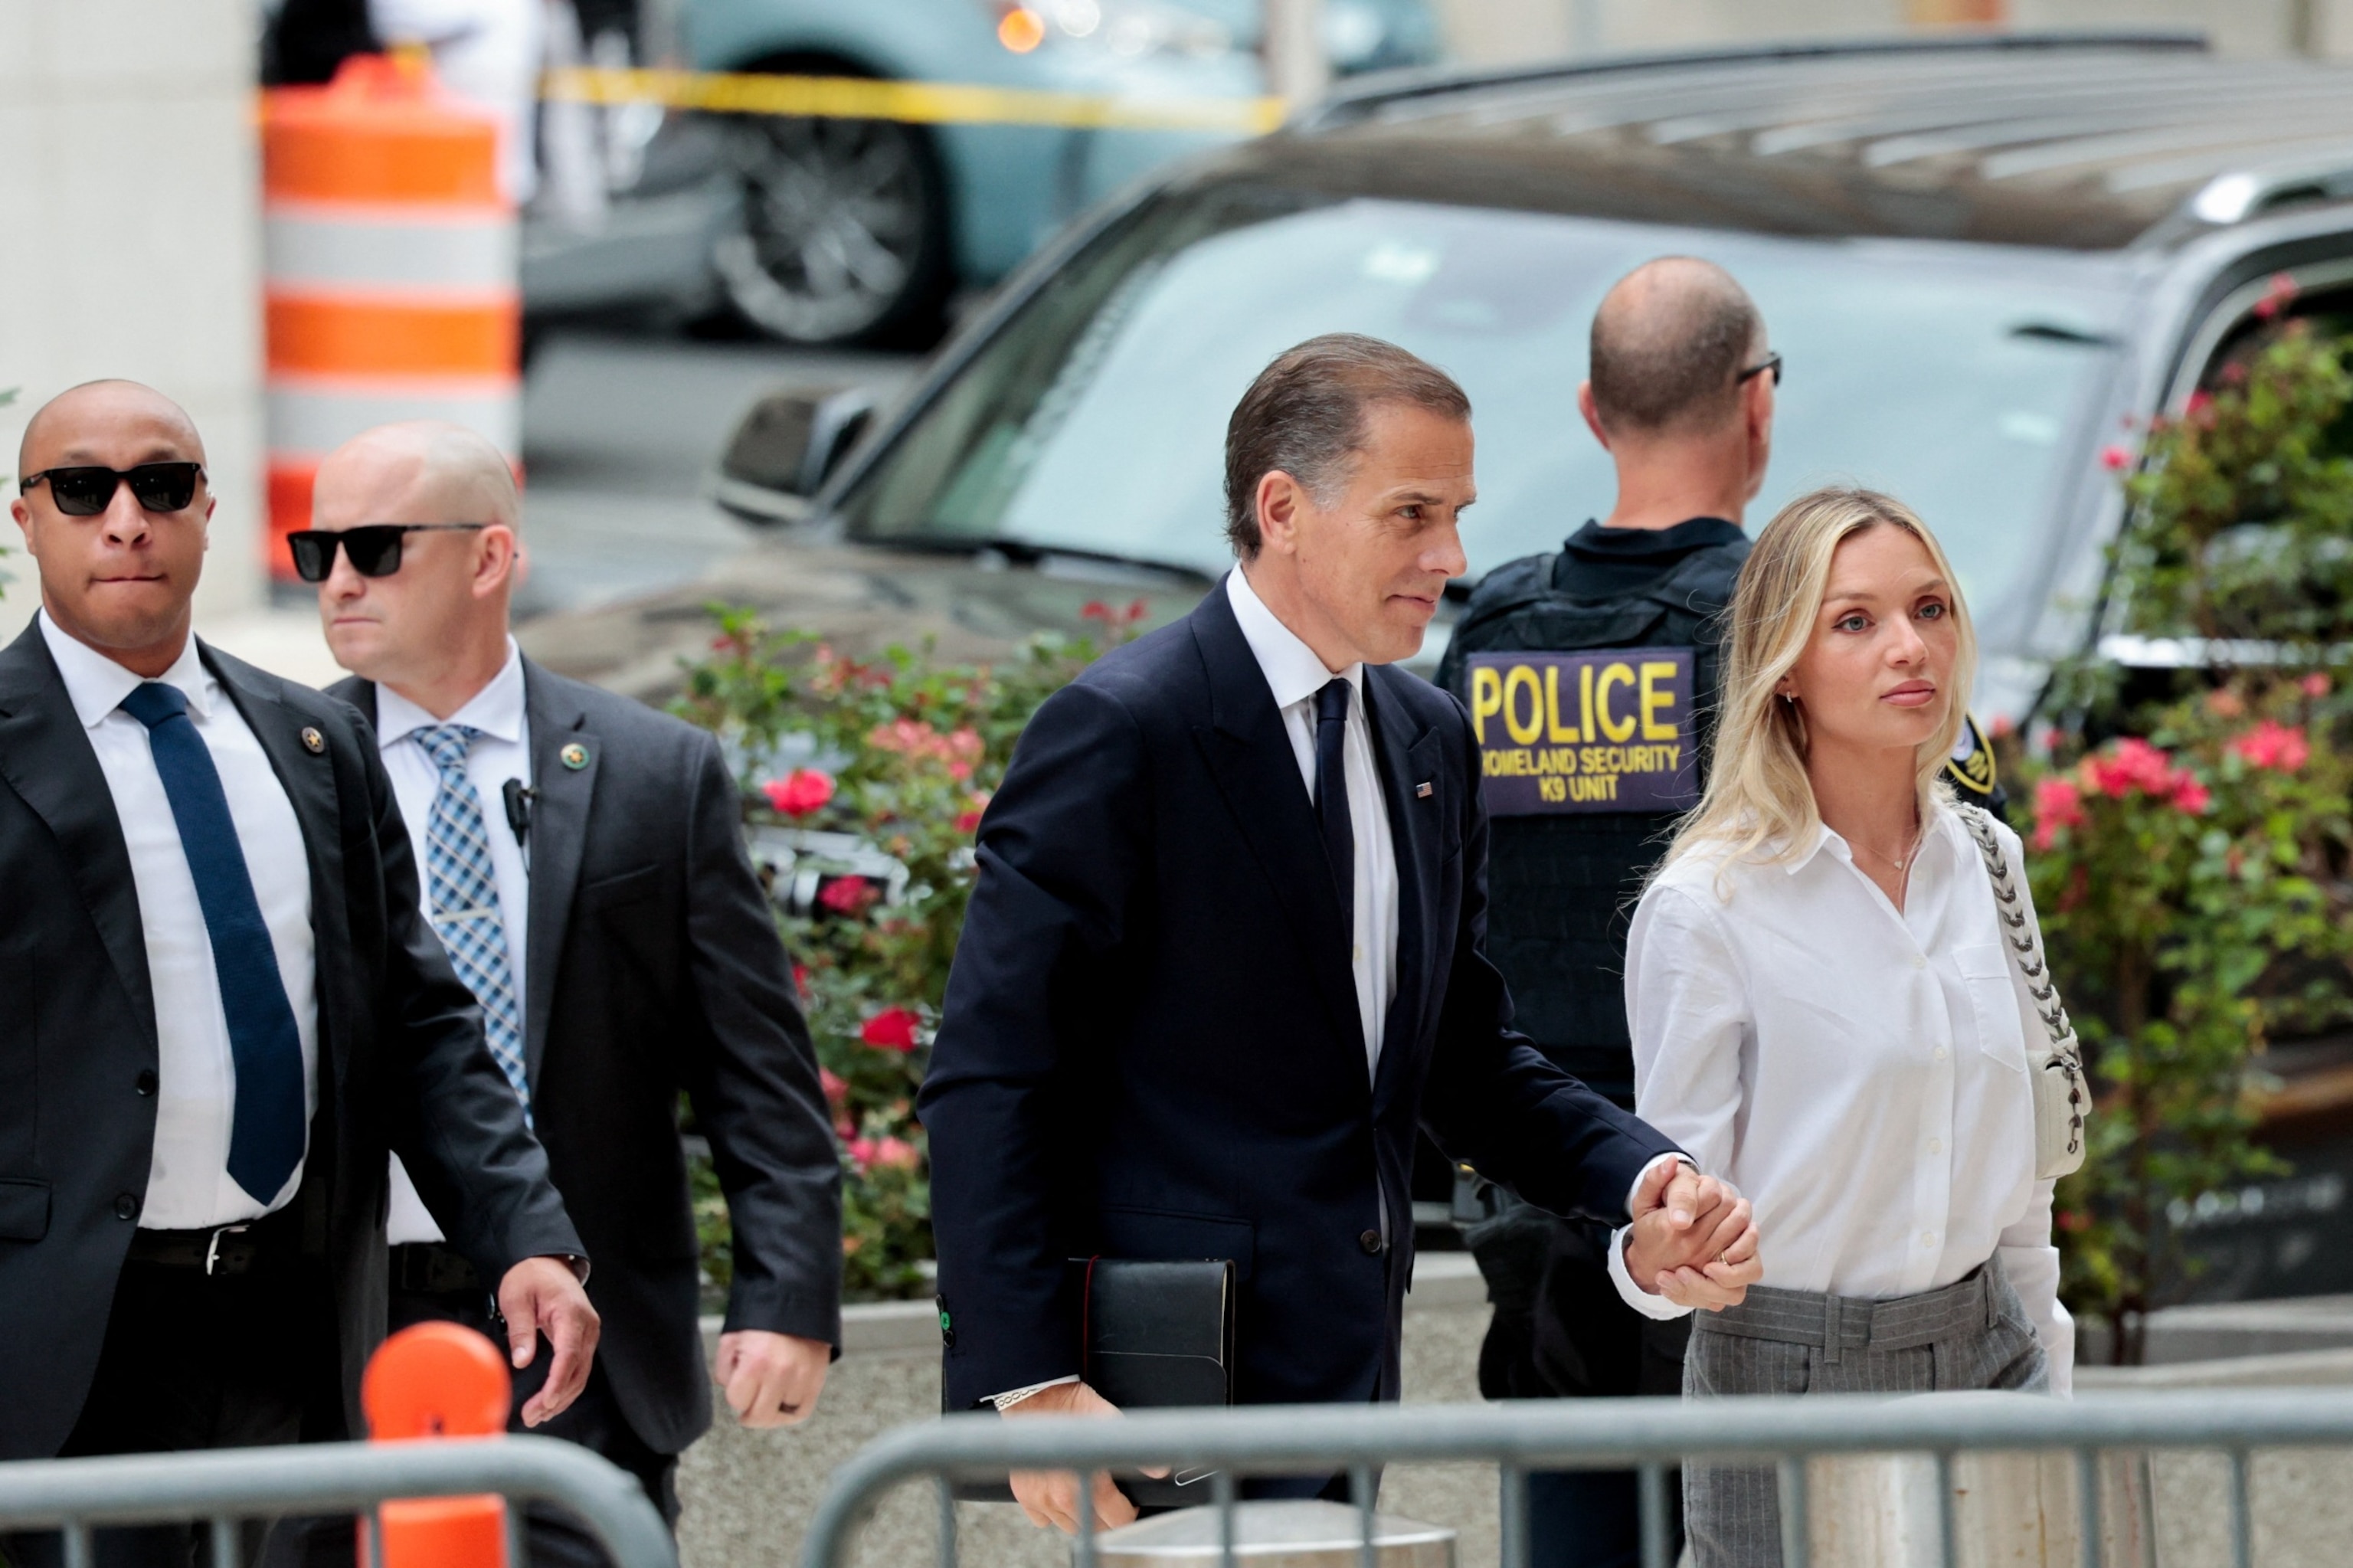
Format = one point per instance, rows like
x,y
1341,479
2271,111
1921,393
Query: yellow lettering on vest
x,y
1523,675
1614,728
1654,699
1555,731
1486,697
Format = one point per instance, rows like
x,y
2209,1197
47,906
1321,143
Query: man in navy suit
x,y
1226,952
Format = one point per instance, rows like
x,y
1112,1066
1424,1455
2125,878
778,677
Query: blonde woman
x,y
1824,1010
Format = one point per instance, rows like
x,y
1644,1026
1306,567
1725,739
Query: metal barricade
x,y
222,1487
1647,1435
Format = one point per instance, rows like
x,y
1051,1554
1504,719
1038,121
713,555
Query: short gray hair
x,y
1304,415
1668,344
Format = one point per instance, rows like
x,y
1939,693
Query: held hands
x,y
1692,1240
542,1296
1052,1497
772,1380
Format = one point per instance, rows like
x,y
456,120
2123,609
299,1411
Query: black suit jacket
x,y
402,1061
1152,1046
653,965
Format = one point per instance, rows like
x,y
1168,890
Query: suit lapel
x,y
46,758
559,833
1258,774
308,778
1407,754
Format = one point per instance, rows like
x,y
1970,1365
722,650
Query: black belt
x,y
220,1250
429,1268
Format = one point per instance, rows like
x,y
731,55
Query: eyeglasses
x,y
372,549
1770,363
85,492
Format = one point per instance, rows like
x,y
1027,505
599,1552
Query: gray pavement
x,y
620,433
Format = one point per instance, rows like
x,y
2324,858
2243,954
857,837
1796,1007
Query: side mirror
x,y
781,453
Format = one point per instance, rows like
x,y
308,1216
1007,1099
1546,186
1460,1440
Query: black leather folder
x,y
1156,1334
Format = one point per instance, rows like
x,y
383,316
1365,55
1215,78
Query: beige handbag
x,y
2063,1101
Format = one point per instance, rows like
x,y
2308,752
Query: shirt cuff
x,y
1005,1402
1648,1303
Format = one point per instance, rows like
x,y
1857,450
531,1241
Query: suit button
x,y
126,1207
1371,1242
145,1081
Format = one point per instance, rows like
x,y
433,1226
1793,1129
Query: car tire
x,y
843,232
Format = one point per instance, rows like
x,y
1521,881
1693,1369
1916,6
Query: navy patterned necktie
x,y
1332,794
265,1130
463,891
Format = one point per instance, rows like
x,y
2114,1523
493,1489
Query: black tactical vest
x,y
1561,889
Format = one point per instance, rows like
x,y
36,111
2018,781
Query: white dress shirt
x,y
502,751
188,1184
1857,1071
1295,672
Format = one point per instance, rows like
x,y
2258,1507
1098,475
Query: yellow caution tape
x,y
921,103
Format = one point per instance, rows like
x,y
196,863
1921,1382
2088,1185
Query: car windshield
x,y
1953,375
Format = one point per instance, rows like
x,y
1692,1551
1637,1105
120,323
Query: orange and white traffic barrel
x,y
391,287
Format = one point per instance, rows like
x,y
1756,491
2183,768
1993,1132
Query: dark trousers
x,y
554,1540
193,1362
1560,1332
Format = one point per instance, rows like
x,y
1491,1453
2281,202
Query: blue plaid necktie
x,y
463,892
265,1141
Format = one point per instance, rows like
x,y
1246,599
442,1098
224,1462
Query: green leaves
x,y
899,753
2193,884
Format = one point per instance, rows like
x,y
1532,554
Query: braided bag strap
x,y
2062,1098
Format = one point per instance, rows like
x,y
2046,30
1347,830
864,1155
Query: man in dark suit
x,y
1225,952
221,1009
610,921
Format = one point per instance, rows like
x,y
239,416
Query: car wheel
x,y
843,236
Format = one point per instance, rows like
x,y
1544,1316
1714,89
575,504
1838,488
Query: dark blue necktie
x,y
1332,795
265,1141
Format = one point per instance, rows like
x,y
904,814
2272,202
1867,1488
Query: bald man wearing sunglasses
x,y
219,1011
585,864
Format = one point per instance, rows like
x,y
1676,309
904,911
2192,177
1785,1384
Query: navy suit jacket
x,y
1152,1049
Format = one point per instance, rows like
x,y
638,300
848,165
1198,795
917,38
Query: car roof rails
x,y
1368,95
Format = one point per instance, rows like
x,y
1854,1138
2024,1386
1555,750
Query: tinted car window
x,y
1952,374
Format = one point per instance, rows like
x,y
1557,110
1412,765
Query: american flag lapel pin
x,y
1421,790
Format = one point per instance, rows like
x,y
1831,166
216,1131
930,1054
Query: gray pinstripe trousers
x,y
1971,1335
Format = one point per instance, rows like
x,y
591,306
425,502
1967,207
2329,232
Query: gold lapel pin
x,y
575,757
1421,790
312,740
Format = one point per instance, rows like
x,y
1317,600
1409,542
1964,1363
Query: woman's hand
x,y
1694,1239
1721,1281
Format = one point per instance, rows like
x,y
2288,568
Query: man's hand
x,y
772,1380
542,1296
1694,1239
1052,1497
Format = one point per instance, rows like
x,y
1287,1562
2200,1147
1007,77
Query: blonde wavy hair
x,y
1758,804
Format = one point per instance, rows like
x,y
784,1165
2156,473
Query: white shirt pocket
x,y
1993,998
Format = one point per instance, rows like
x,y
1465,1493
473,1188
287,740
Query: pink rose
x,y
2281,748
800,792
851,895
892,1029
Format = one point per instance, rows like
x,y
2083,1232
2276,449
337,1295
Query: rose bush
x,y
899,753
2189,847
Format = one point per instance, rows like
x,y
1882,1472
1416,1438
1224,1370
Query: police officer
x,y
1589,672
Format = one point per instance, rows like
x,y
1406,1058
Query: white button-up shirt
x,y
188,1184
502,751
1295,672
1857,1071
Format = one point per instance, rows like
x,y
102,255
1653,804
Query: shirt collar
x,y
1931,835
1293,671
96,684
496,709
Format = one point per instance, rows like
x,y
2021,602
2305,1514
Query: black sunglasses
x,y
85,492
373,548
1770,363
